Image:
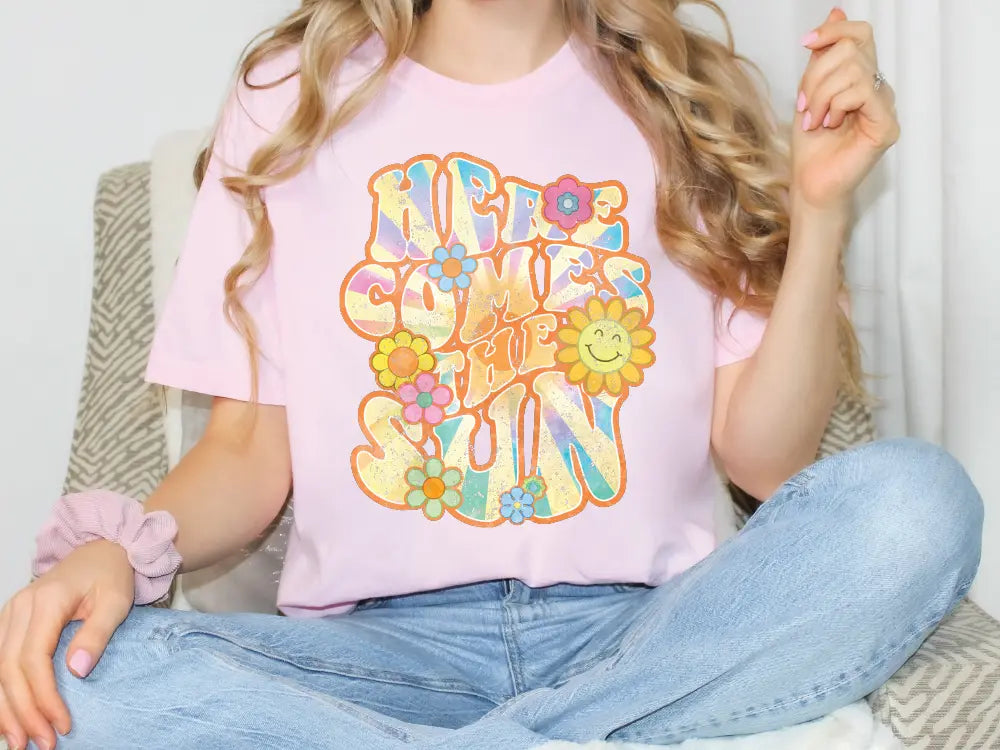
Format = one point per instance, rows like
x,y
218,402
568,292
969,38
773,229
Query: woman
x,y
508,277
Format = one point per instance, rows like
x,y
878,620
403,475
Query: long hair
x,y
718,148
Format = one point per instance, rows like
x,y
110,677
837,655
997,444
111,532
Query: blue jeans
x,y
831,586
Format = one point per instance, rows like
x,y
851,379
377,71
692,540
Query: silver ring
x,y
879,79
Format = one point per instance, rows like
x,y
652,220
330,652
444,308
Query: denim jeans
x,y
831,586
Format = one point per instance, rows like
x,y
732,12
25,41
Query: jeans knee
x,y
99,704
919,507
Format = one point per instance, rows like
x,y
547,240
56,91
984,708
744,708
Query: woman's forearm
x,y
782,401
229,486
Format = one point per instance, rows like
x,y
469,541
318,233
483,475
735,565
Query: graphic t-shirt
x,y
490,367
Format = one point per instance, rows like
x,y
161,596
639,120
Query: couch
x,y
946,696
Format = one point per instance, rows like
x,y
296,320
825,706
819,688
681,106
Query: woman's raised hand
x,y
95,584
844,123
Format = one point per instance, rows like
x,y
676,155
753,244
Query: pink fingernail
x,y
826,120
802,102
807,121
81,663
10,742
809,38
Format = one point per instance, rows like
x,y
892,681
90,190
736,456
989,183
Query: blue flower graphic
x,y
568,204
517,505
452,268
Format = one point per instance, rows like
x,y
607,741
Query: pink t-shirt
x,y
490,367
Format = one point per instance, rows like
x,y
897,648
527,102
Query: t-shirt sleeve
x,y
738,335
195,348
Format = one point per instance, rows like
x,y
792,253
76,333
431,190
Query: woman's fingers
x,y
16,688
12,730
840,80
843,103
820,68
106,613
848,75
878,110
52,609
833,31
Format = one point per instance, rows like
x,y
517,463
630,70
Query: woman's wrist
x,y
818,229
829,218
146,538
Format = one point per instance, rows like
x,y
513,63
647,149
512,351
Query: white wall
x,y
972,284
87,86
92,85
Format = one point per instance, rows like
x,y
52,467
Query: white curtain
x,y
924,263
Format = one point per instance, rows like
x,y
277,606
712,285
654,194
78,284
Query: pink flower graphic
x,y
424,400
568,203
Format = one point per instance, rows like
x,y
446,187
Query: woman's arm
x,y
772,409
230,485
223,494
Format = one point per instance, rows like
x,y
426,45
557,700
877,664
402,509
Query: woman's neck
x,y
488,41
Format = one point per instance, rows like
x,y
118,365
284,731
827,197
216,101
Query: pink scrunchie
x,y
147,538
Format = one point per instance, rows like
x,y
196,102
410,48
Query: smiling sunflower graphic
x,y
604,346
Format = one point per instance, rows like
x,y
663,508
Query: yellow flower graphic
x,y
401,358
604,347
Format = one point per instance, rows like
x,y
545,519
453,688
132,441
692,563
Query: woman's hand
x,y
844,125
95,583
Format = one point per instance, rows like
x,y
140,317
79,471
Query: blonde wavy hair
x,y
697,102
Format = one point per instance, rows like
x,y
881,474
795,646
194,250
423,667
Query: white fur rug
x,y
851,728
